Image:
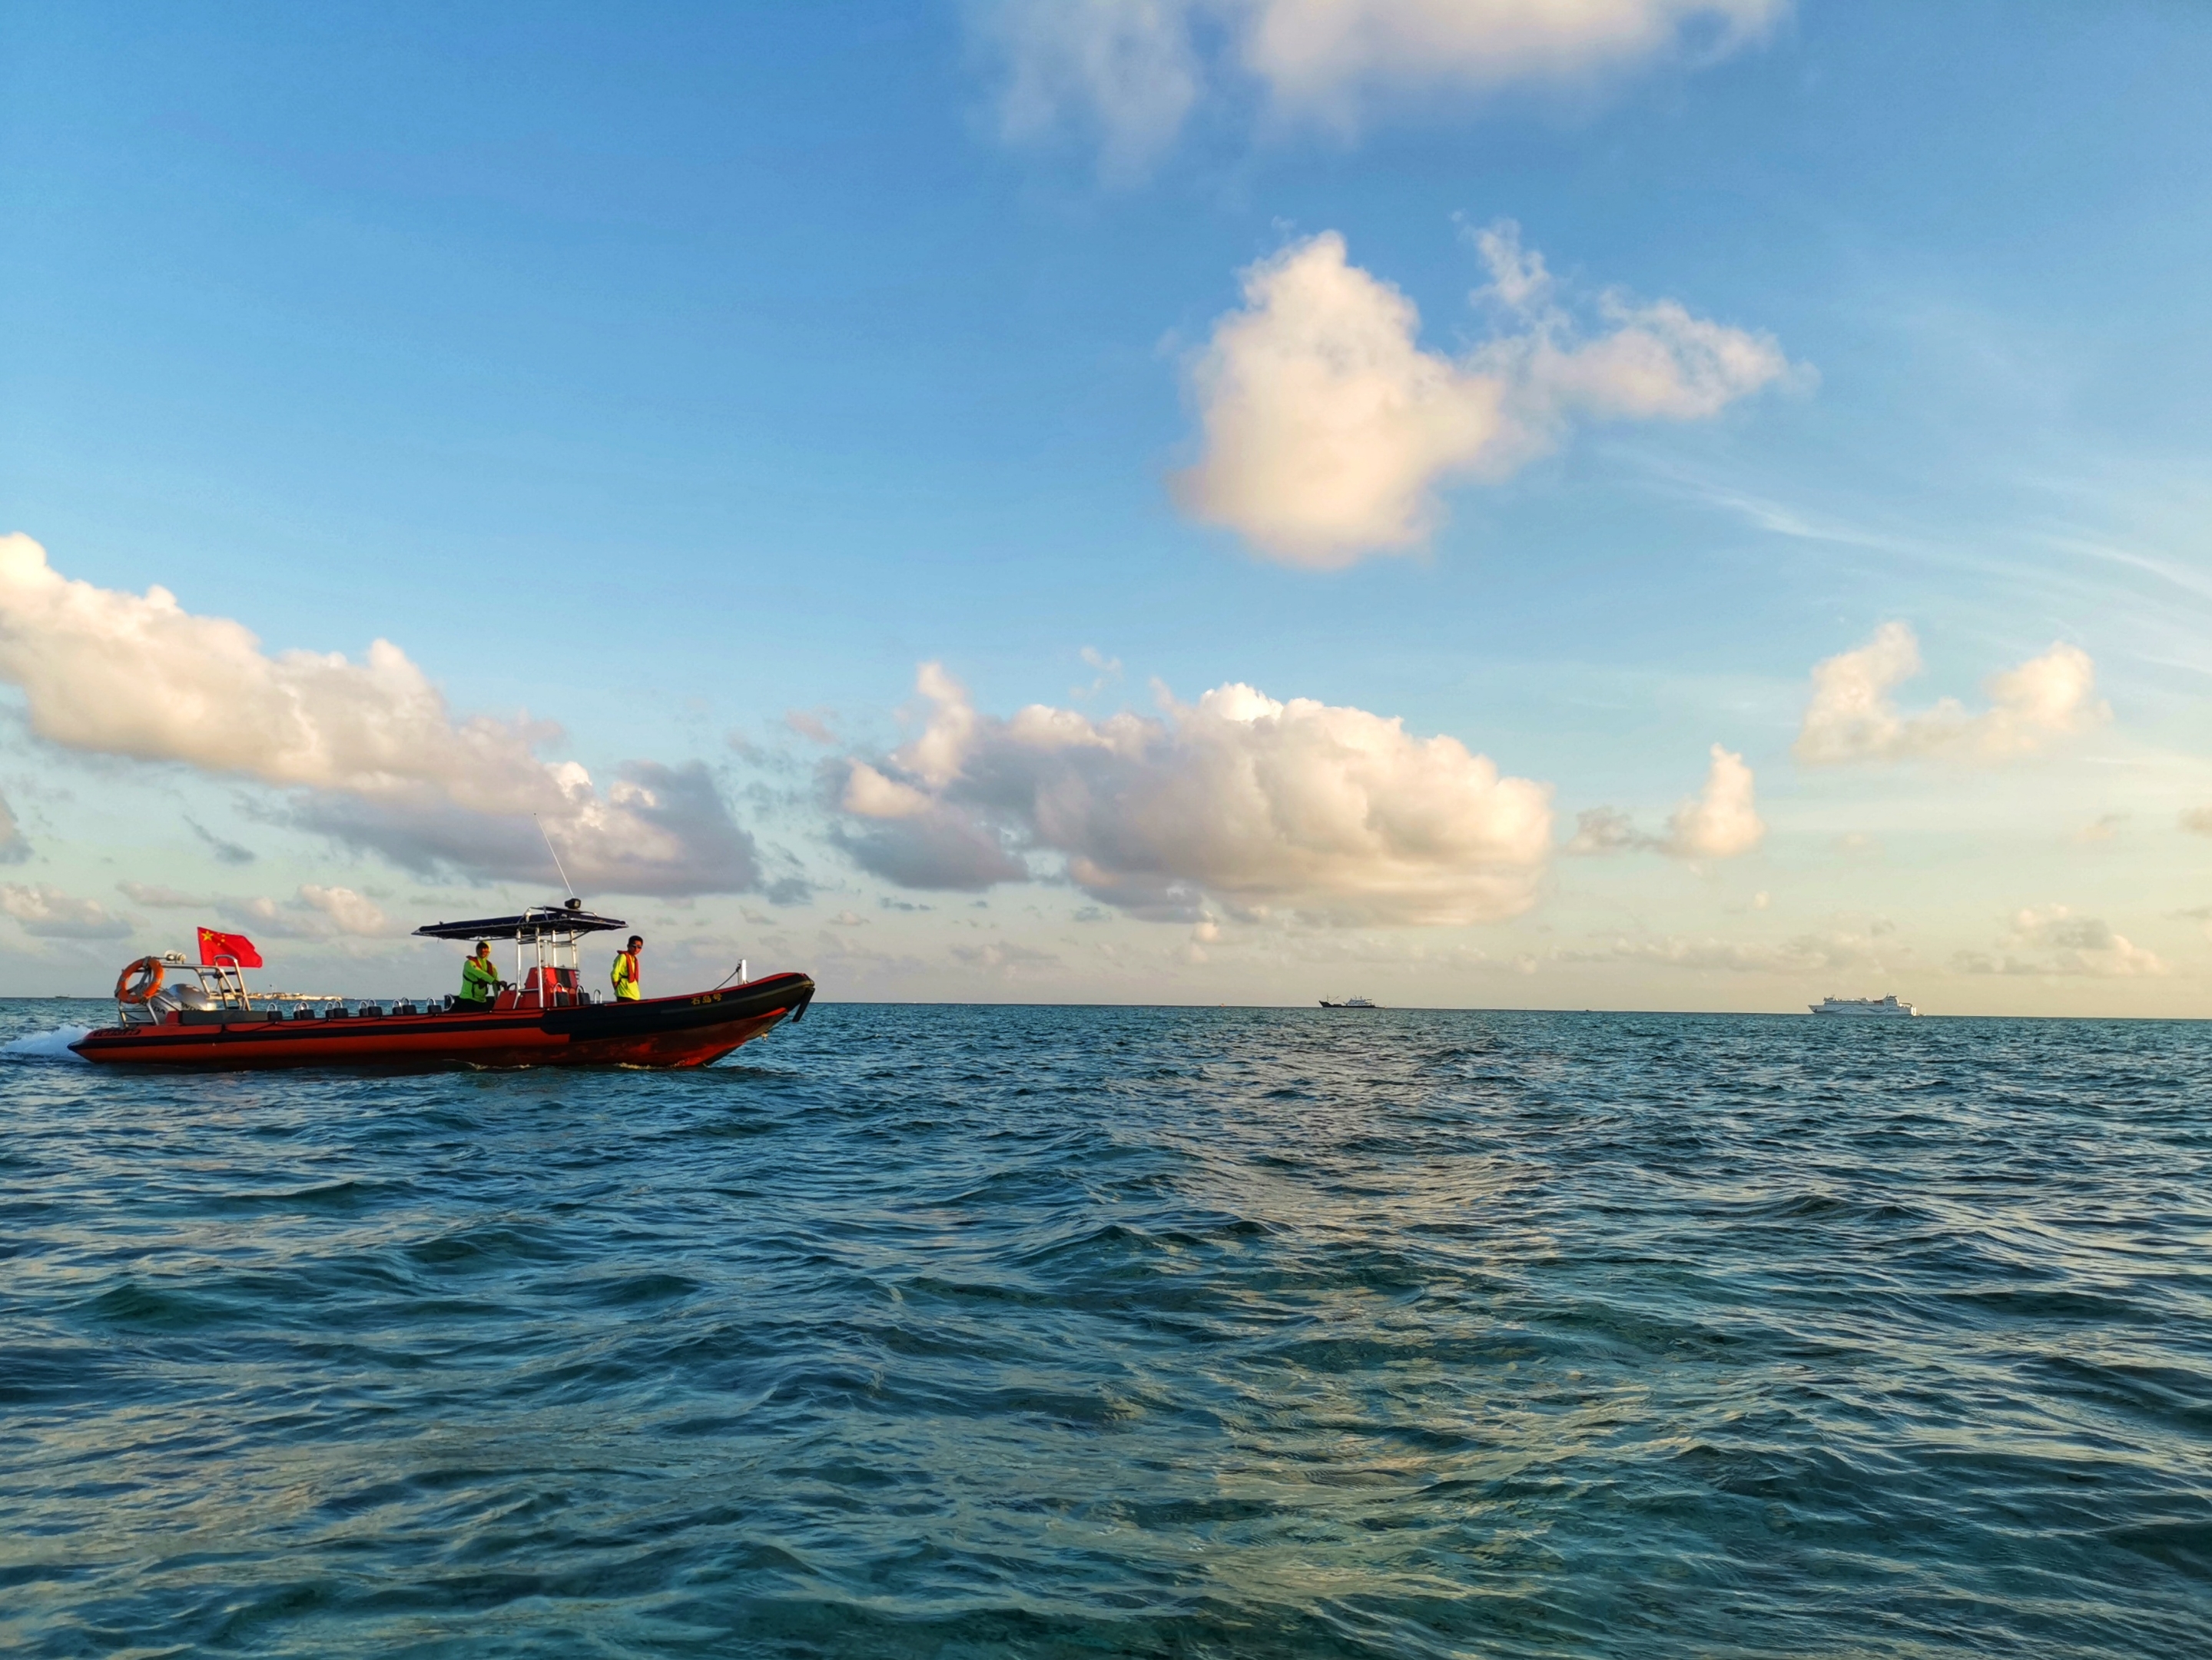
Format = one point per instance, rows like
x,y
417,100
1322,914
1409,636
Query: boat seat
x,y
556,986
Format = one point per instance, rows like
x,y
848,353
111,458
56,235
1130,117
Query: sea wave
x,y
45,1045
1110,1332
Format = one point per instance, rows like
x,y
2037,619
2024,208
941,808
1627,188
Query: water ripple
x,y
1123,1332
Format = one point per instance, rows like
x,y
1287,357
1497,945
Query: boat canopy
x,y
537,922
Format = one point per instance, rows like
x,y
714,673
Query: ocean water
x,y
977,1332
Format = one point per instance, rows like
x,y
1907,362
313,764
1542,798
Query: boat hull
x,y
690,1031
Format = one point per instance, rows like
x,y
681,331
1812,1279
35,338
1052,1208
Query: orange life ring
x,y
150,972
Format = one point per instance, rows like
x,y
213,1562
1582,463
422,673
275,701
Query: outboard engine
x,y
179,994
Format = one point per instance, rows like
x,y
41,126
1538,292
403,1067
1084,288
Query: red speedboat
x,y
210,1020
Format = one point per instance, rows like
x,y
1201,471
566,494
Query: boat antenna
x,y
540,823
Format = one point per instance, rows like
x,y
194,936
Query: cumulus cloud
x,y
1338,814
1131,72
657,830
1852,717
14,848
347,911
316,912
313,913
266,919
1721,821
2054,941
50,914
369,749
1328,430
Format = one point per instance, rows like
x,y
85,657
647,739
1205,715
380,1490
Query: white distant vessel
x,y
1349,1003
1888,1005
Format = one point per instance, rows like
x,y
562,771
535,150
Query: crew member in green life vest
x,y
479,979
625,972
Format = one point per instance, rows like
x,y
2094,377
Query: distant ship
x,y
1888,1005
1349,1003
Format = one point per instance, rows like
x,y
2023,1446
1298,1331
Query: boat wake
x,y
46,1046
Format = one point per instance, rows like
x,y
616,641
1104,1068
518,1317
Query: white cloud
x,y
871,796
1721,820
1132,71
375,757
1328,430
1852,716
657,830
1334,813
1109,671
1803,954
1008,959
316,912
2064,943
347,911
50,914
265,919
1126,68
1322,54
13,848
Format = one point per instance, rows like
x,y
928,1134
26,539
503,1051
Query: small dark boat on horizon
x,y
546,1019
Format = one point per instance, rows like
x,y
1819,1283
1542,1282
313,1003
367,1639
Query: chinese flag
x,y
227,948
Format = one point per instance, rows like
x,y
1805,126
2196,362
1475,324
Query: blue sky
x,y
663,374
